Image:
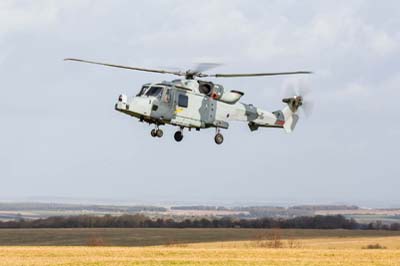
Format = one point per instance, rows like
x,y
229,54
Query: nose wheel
x,y
156,132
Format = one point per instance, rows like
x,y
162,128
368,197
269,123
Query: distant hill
x,y
33,210
75,207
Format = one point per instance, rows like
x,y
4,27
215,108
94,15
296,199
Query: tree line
x,y
141,221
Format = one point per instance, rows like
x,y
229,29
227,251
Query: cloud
x,y
355,89
26,15
384,44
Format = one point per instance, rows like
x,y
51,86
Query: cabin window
x,y
183,100
154,91
144,88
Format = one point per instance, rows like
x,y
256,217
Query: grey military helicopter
x,y
197,104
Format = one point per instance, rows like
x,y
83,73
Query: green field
x,y
164,236
217,247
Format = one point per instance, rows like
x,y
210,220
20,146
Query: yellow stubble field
x,y
304,250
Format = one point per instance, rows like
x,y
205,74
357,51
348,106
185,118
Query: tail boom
x,y
285,118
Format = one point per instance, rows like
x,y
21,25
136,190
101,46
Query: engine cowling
x,y
230,97
218,93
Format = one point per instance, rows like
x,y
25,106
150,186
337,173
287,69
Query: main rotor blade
x,y
178,73
201,67
258,74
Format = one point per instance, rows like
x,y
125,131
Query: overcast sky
x,y
61,137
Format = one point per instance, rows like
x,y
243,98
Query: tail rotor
x,y
297,96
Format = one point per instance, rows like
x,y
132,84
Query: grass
x,y
216,247
156,236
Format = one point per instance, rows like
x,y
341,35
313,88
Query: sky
x,y
61,138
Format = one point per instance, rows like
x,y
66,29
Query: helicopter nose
x,y
137,106
140,105
122,103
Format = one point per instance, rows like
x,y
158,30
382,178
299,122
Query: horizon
x,y
220,203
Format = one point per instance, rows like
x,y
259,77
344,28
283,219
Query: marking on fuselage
x,y
178,110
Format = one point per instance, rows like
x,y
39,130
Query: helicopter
x,y
194,103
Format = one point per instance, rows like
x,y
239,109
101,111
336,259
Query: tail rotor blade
x,y
304,87
308,107
289,89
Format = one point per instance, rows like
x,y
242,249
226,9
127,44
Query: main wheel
x,y
219,138
159,133
153,133
178,136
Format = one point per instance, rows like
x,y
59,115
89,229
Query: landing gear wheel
x,y
159,133
219,138
178,136
153,133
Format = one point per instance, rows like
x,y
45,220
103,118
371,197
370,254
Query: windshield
x,y
154,91
144,88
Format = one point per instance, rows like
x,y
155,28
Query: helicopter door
x,y
186,110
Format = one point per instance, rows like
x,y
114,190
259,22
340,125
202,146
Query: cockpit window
x,y
144,88
154,91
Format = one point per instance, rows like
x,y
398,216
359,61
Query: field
x,y
197,247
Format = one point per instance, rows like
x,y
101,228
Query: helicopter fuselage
x,y
186,104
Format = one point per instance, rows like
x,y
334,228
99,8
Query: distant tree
x,y
395,226
141,221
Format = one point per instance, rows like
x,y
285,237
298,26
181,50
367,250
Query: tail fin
x,y
290,119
